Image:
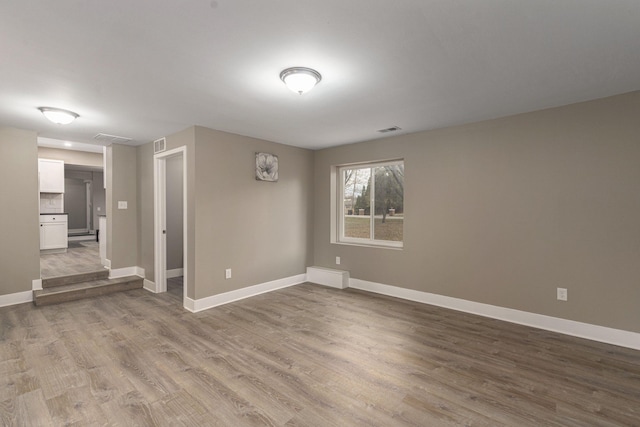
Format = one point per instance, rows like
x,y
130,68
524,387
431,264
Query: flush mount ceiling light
x,y
300,79
58,115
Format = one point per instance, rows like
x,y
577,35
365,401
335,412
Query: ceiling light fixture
x,y
300,79
58,115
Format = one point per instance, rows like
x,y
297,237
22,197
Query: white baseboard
x,y
126,271
16,298
150,286
189,304
36,284
176,272
250,291
540,321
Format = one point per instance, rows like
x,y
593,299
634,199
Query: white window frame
x,y
340,238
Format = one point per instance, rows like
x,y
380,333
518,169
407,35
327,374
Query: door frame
x,y
160,219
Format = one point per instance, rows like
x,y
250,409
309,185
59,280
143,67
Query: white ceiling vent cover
x,y
159,145
111,139
391,129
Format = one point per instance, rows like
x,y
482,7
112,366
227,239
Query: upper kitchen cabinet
x,y
51,174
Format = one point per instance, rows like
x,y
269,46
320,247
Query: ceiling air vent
x,y
111,139
391,129
159,145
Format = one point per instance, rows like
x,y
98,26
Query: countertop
x,y
54,213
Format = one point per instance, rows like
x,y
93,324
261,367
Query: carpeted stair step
x,y
75,278
88,289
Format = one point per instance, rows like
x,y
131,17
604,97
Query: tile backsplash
x,y
51,203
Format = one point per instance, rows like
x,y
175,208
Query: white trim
x,y
159,215
36,285
126,271
16,298
540,321
159,223
250,291
107,262
150,286
176,272
189,304
340,238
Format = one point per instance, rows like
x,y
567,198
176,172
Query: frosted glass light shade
x,y
300,79
58,115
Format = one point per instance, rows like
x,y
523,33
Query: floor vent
x,y
111,139
391,129
159,145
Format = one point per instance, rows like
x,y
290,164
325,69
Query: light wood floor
x,y
301,356
81,257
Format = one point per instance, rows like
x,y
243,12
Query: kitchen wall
x,y
52,203
82,159
505,211
20,242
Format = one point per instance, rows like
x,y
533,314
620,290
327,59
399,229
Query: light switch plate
x,y
122,204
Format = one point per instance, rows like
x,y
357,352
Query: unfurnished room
x,y
337,213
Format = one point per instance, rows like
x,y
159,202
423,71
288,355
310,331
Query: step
x,y
93,288
75,278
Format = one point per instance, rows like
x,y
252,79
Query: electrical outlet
x,y
562,294
338,260
122,204
227,273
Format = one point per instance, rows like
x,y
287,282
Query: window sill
x,y
397,247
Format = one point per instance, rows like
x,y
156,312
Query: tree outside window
x,y
378,185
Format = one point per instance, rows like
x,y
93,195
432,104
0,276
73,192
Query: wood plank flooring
x,y
301,356
81,257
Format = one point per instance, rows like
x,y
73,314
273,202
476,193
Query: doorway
x,y
83,201
170,214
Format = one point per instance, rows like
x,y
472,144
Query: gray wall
x,y
71,157
75,201
98,196
19,220
174,213
262,231
505,211
122,224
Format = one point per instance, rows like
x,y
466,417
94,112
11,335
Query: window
x,y
371,204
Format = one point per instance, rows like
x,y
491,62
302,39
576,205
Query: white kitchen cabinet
x,y
51,174
53,232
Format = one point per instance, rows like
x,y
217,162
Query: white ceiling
x,y
144,69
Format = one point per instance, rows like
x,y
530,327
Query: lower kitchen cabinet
x,y
53,232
